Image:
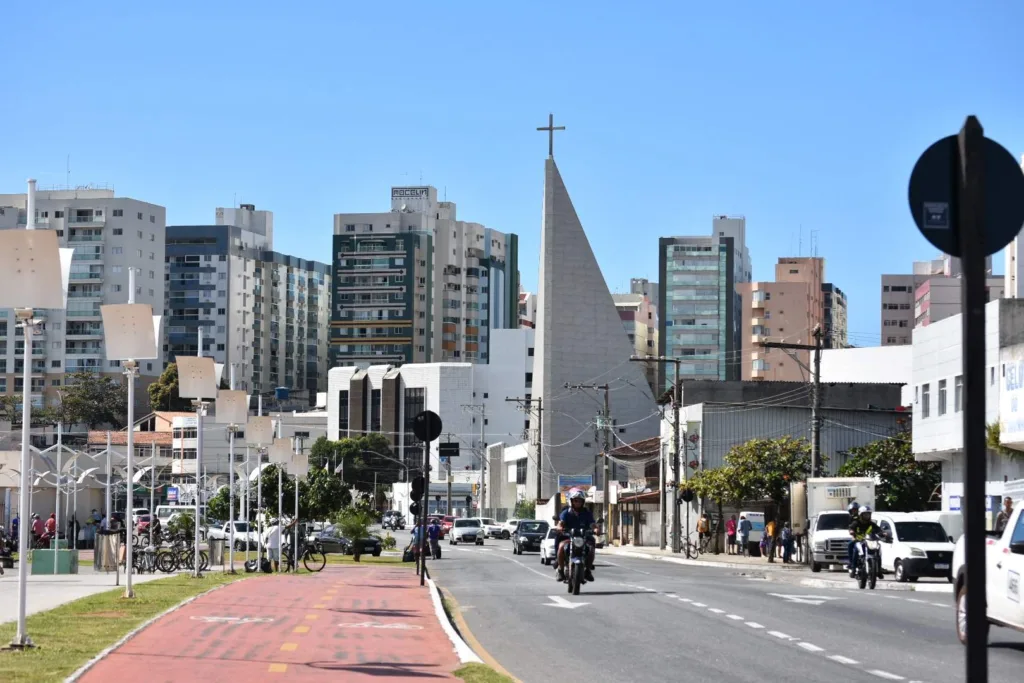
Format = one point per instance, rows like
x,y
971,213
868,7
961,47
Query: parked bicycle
x,y
312,554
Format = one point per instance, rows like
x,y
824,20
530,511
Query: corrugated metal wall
x,y
728,425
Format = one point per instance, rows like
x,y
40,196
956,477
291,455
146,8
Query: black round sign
x,y
933,202
426,426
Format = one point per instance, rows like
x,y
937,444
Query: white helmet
x,y
576,493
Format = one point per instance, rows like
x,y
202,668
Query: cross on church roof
x,y
551,128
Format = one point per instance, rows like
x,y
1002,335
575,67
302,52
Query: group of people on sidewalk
x,y
777,542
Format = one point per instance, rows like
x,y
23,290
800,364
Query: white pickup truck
x,y
1004,561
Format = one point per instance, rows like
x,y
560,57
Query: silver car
x,y
467,531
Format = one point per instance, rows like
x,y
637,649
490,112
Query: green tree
x,y
525,509
354,523
93,400
10,411
722,485
163,393
322,494
360,459
994,442
764,468
905,485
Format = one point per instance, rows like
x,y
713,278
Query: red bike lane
x,y
345,623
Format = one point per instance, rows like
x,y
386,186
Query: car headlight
x,y
819,546
917,552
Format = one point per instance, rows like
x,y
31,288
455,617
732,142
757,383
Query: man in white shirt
x,y
272,542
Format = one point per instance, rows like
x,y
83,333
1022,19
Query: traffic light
x,y
417,488
469,501
414,508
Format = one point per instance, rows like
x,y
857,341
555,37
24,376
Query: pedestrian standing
x,y
769,532
787,544
730,535
744,533
1004,515
703,528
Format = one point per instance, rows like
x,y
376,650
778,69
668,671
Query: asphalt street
x,y
644,620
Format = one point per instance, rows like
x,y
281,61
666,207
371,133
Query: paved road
x,y
643,620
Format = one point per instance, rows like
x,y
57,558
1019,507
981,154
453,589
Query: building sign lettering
x,y
410,192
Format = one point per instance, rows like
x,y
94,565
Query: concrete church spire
x,y
580,339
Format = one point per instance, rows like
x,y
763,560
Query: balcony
x,y
79,311
88,254
75,237
92,276
87,219
756,320
758,338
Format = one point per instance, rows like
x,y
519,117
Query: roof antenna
x,y
69,172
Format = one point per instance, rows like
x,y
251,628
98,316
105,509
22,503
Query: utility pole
x,y
677,403
604,422
815,392
448,507
481,410
527,405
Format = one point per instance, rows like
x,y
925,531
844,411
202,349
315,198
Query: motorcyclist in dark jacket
x,y
860,528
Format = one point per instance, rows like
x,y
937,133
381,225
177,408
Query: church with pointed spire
x,y
580,340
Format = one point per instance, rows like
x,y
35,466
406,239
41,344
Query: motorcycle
x,y
869,562
577,565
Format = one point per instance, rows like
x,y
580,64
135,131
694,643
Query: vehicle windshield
x,y
243,526
488,520
552,533
921,532
467,522
533,527
833,522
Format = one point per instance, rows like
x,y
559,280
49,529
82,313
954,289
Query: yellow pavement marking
x,y
332,591
301,629
312,617
319,606
277,668
289,647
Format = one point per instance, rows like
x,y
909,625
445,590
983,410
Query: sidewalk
x,y
345,623
722,561
46,591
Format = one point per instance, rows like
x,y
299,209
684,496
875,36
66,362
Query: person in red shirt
x,y
51,524
37,526
730,534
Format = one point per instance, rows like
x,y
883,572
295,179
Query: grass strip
x,y
481,673
70,635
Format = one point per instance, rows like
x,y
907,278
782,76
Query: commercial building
x,y
110,235
415,284
640,318
899,296
264,313
470,398
527,308
786,310
698,300
938,399
836,317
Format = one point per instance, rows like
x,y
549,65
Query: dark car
x,y
370,546
528,536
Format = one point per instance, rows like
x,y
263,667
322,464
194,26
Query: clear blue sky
x,y
794,114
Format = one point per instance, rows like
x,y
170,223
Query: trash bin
x,y
216,552
108,549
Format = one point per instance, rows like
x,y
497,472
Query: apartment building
x,y
265,313
836,336
527,308
786,310
899,296
939,298
698,301
416,284
110,235
640,318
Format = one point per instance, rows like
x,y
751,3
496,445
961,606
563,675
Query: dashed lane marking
x,y
277,668
289,647
780,635
734,617
312,617
753,624
843,660
886,675
714,610
810,647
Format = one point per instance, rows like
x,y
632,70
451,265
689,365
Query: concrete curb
x,y
134,632
888,586
464,652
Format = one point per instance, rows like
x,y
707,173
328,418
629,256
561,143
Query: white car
x,y
548,552
237,538
509,528
492,529
915,547
467,531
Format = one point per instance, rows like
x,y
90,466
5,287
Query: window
x,y
152,275
116,288
942,397
55,363
152,237
139,234
925,400
152,218
958,393
118,213
529,352
139,215
992,375
58,214
220,347
118,231
152,256
116,251
138,252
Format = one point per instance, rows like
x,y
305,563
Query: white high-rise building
x,y
109,234
264,313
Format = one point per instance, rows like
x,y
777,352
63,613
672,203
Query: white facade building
x,y
937,395
110,235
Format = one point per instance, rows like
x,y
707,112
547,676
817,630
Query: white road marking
x,y
716,611
753,624
886,675
699,604
843,660
939,604
810,647
919,602
780,635
686,600
558,601
673,596
805,599
734,617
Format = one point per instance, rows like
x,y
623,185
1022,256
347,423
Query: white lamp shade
x,y
33,275
197,377
128,331
218,370
281,451
259,431
232,407
300,465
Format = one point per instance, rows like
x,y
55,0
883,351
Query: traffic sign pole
x,y
427,427
965,199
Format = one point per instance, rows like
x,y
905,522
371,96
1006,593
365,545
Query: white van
x,y
164,512
919,547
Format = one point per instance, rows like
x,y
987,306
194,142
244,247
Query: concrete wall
x,y
838,395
